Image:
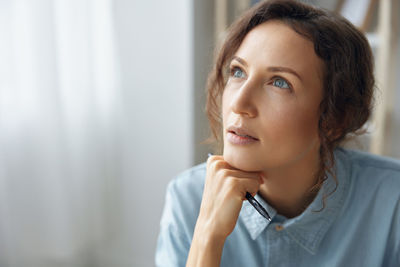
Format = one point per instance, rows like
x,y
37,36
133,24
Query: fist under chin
x,y
241,161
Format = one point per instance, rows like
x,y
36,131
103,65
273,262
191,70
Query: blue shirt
x,y
359,226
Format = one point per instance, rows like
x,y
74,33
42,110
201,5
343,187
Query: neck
x,y
287,189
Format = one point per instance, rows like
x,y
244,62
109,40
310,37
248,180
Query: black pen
x,y
258,206
255,203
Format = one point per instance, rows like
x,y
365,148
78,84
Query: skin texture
x,y
282,163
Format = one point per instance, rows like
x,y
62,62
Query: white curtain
x,y
58,131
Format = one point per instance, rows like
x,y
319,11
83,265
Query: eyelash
x,y
232,70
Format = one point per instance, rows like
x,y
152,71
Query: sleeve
x,y
173,243
395,235
392,255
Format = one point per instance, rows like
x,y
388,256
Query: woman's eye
x,y
237,72
281,83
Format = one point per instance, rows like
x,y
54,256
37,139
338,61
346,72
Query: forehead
x,y
274,43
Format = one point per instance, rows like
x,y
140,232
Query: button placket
x,y
279,227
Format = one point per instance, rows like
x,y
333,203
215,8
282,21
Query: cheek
x,y
292,122
224,105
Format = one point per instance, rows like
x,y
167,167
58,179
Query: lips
x,y
242,132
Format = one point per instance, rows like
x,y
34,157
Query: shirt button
x,y
279,227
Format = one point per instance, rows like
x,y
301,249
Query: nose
x,y
243,101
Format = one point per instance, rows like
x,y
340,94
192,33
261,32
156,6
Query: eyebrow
x,y
271,68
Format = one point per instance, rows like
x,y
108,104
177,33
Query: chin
x,y
241,161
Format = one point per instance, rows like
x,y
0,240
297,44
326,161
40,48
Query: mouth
x,y
240,135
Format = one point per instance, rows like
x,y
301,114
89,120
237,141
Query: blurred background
x,y
102,104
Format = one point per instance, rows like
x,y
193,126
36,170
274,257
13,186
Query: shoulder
x,y
370,169
188,185
374,182
183,199
374,197
367,159
179,216
190,179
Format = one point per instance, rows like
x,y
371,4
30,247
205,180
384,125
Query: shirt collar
x,y
309,228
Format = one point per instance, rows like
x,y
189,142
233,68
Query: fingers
x,y
221,172
224,191
218,162
240,186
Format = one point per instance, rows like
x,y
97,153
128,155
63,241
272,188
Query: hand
x,y
224,192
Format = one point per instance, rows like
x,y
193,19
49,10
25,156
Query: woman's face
x,y
273,95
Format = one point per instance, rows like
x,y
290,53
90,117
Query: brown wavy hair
x,y
348,82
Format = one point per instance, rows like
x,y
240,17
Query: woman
x,y
290,83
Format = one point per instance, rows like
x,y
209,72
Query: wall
x,y
155,52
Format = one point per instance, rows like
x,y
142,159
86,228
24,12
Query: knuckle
x,y
214,163
223,173
219,164
210,160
